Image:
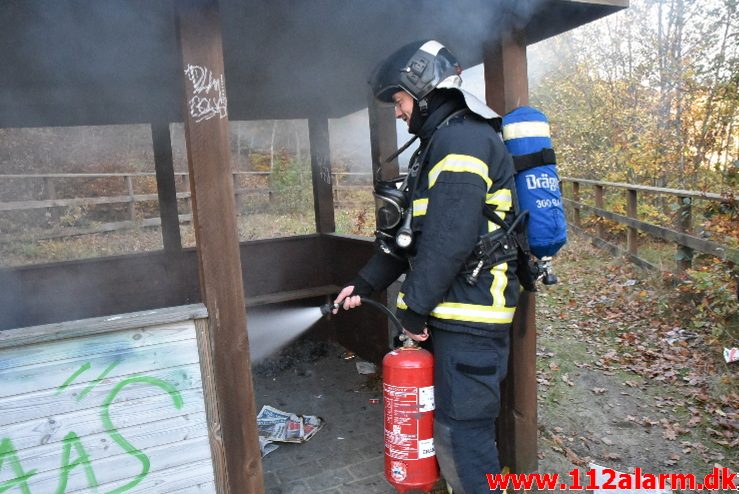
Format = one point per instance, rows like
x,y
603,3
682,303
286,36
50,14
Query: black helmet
x,y
417,68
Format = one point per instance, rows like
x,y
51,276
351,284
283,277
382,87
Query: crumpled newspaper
x,y
277,426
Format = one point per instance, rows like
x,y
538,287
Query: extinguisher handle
x,y
407,341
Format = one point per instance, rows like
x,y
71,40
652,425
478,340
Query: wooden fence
x,y
680,233
343,182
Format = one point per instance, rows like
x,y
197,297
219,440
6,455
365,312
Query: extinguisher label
x,y
426,399
408,430
426,448
401,424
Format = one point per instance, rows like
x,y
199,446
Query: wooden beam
x,y
33,335
216,234
506,84
506,72
383,139
166,187
320,160
383,142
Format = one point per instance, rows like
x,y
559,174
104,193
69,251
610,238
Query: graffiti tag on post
x,y
209,94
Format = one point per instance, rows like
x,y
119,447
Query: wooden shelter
x,y
205,62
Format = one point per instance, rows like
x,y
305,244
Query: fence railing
x,y
680,233
347,182
343,182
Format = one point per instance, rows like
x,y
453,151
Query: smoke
x,y
117,61
270,329
86,63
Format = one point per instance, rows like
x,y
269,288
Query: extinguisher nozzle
x,y
328,309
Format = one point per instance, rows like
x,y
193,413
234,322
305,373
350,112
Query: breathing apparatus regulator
x,y
393,215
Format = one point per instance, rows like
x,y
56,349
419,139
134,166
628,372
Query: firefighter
x,y
460,167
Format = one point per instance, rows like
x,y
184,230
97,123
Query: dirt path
x,y
613,390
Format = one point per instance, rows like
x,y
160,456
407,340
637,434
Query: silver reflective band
x,y
432,47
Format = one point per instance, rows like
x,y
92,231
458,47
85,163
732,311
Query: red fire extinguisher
x,y
408,388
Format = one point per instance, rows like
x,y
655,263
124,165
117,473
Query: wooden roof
x,y
72,62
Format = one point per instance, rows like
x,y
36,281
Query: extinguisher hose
x,y
384,309
328,309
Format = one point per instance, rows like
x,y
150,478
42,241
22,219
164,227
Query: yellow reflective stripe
x,y
460,163
525,129
500,281
501,199
473,313
468,312
503,202
493,226
420,206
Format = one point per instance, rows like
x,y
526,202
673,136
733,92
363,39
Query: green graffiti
x,y
73,440
7,450
73,377
119,439
97,380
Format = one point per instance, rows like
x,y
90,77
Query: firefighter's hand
x,y
346,299
418,337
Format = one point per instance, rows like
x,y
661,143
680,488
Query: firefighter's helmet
x,y
417,68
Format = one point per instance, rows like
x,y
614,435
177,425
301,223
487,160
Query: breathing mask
x,y
393,215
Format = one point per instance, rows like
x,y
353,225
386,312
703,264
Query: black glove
x,y
361,287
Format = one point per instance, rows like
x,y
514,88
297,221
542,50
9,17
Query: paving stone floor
x,y
346,455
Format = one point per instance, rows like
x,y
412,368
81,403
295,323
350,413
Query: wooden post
x,y
506,72
237,193
684,224
166,187
576,206
599,204
506,83
632,234
132,200
188,200
234,440
336,184
383,143
320,159
383,140
50,190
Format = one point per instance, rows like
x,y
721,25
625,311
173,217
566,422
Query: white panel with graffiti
x,y
109,413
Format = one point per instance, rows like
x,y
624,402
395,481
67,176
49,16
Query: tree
x,y
648,95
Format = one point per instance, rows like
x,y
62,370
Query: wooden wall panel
x,y
109,405
363,330
72,290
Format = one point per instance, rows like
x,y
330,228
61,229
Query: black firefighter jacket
x,y
466,166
